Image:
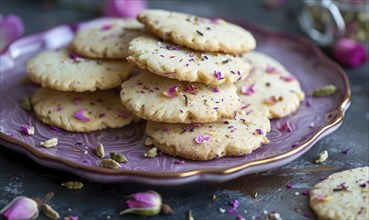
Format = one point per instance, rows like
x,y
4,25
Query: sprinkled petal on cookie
x,y
218,75
77,100
322,198
216,89
81,115
288,78
172,92
259,131
191,89
27,129
286,127
106,27
201,139
215,20
272,69
248,89
271,100
74,56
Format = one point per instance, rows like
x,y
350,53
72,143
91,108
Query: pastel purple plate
x,y
301,57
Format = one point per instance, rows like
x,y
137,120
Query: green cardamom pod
x,y
26,104
152,152
110,163
50,212
72,185
100,152
325,91
118,157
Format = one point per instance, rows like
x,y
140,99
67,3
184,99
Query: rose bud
x,y
20,208
144,203
349,52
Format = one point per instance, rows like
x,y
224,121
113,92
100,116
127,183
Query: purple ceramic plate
x,y
75,152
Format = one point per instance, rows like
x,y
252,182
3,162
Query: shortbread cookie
x,y
343,195
176,62
108,39
157,98
213,35
234,137
269,87
81,112
66,71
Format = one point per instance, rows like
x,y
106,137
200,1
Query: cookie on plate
x,y
172,61
269,87
106,39
66,71
81,112
161,99
343,195
213,35
233,137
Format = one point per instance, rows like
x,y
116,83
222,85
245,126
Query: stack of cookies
x,y
78,84
203,93
185,89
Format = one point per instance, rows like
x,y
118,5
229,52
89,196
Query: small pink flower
x,y
123,8
20,208
248,89
172,92
11,28
82,115
349,52
201,139
144,203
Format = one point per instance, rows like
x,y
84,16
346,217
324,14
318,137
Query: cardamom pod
x,y
118,157
50,212
72,185
50,143
110,163
327,90
26,104
152,152
100,152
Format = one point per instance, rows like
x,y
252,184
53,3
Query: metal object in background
x,y
324,21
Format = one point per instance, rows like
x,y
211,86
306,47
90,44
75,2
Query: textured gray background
x,y
21,176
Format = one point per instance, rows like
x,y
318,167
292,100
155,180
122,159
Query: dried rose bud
x,y
349,52
144,203
20,208
27,129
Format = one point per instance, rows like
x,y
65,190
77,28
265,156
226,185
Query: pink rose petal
x,y
191,89
288,78
172,92
248,89
349,52
82,115
201,139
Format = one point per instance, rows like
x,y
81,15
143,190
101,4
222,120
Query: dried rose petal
x,y
215,20
286,127
288,78
248,89
349,52
216,89
191,89
172,92
272,69
259,131
201,139
234,203
218,75
106,27
82,115
27,129
271,100
322,198
123,114
74,56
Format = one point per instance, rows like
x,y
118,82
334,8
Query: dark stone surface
x,y
21,176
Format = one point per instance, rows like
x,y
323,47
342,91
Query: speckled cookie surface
x,y
213,35
65,71
176,62
80,112
343,195
161,99
106,39
233,137
269,87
